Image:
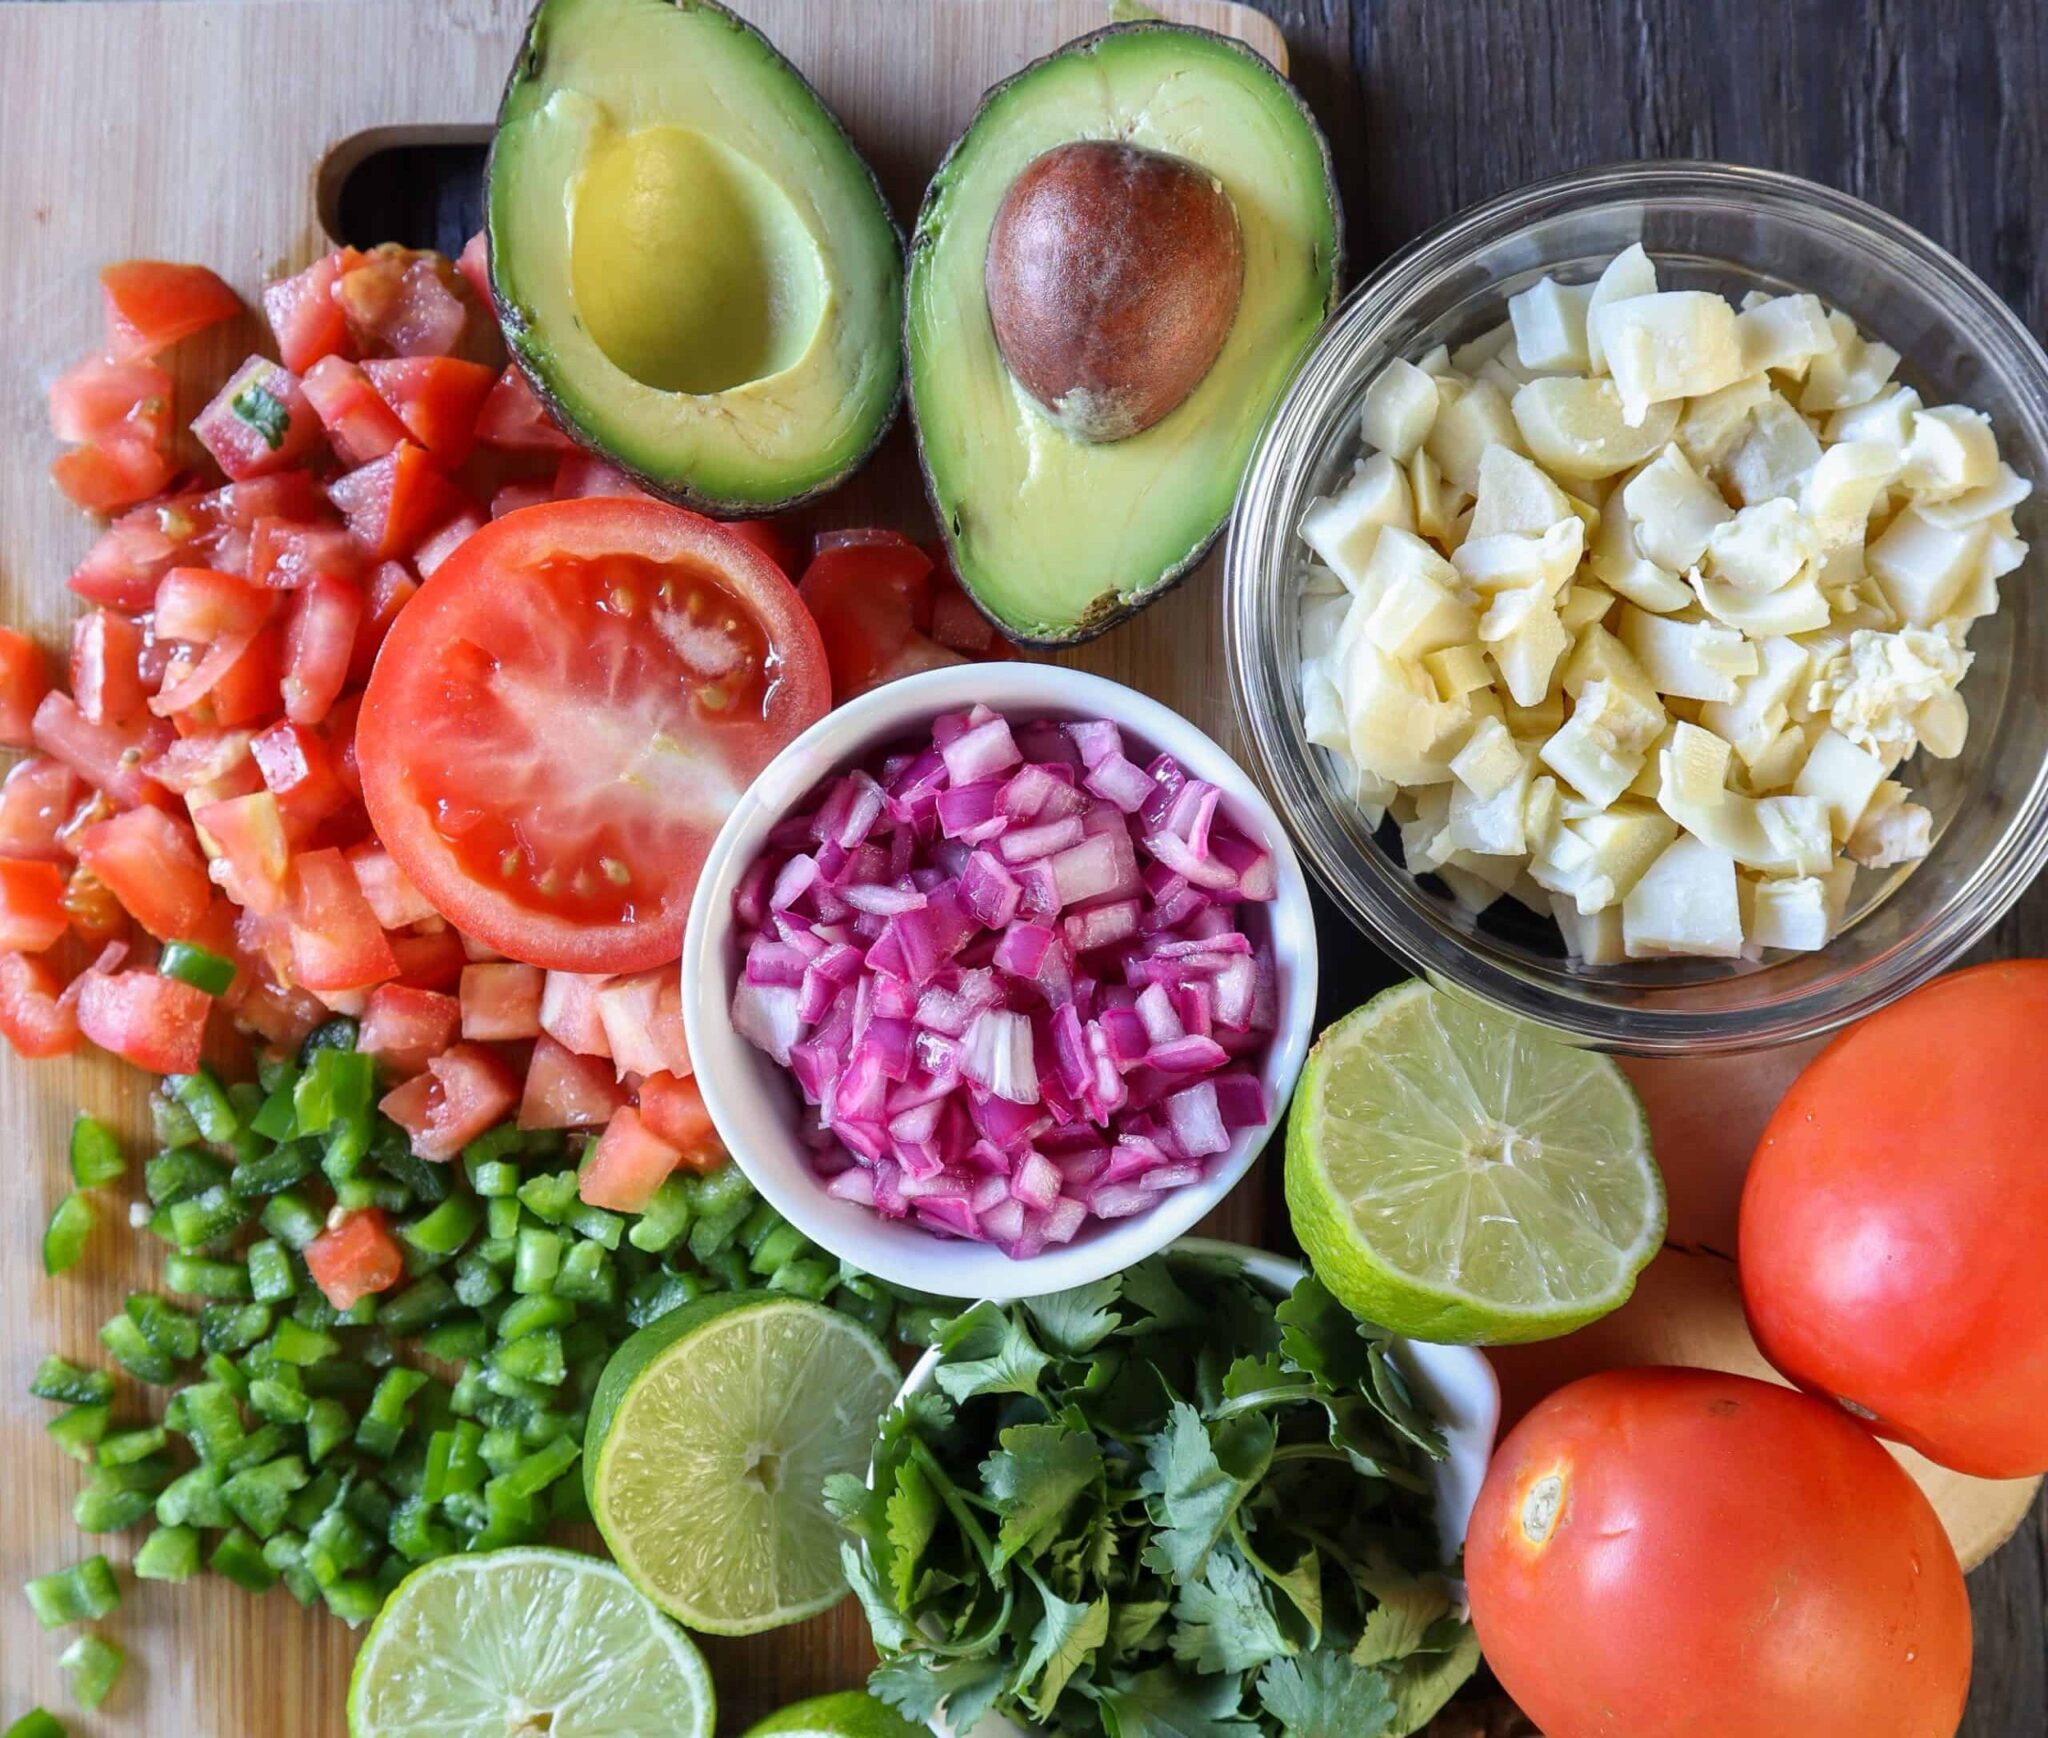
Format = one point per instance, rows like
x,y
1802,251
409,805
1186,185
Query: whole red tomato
x,y
1894,1244
1678,1553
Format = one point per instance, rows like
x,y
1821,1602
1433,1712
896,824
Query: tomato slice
x,y
674,1109
151,304
360,425
643,1023
108,756
318,645
283,555
561,719
354,1257
24,680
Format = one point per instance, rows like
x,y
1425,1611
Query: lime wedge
x,y
521,1642
1457,1174
711,1436
849,1714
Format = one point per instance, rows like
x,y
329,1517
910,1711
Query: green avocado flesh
x,y
691,261
1056,538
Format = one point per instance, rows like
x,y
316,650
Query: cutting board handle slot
x,y
420,185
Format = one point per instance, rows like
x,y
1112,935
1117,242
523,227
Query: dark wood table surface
x,y
1936,110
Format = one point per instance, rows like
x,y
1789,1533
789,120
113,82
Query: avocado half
x,y
692,264
1055,538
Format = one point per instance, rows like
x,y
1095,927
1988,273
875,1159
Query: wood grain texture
x,y
1930,109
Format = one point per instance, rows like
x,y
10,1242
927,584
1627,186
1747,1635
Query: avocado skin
x,y
1105,612
513,321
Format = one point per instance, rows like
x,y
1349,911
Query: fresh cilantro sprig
x,y
1166,1505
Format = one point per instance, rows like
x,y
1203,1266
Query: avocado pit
x,y
1113,276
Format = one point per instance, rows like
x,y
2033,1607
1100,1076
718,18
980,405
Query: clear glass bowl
x,y
1708,226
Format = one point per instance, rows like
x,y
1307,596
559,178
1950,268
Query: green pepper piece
x,y
86,1590
78,1430
60,1379
194,965
96,1156
240,1559
64,1240
168,1554
91,1666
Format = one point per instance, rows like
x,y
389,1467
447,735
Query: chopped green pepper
x,y
194,965
92,1666
96,1157
64,1241
86,1590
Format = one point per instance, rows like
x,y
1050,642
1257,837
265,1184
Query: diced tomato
x,y
568,1013
870,593
514,419
643,1022
532,492
106,667
626,1166
341,736
284,555
355,1257
958,625
429,961
400,301
112,474
390,589
97,400
35,802
151,304
38,1016
447,540
396,902
251,857
200,605
24,680
318,644
581,474
110,756
304,314
152,863
360,425
674,1110
501,1001
437,398
474,263
337,942
280,1016
405,1028
773,541
297,766
246,689
466,1090
394,504
281,495
564,1090
32,914
204,760
156,1023
259,422
95,913
134,553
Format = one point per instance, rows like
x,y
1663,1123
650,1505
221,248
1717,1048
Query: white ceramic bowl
x,y
754,1102
1454,1384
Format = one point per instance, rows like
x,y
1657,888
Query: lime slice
x,y
507,1644
849,1714
711,1436
1457,1174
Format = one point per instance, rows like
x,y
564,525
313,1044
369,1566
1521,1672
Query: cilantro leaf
x,y
1066,1636
1321,1338
1195,1493
1302,1585
1165,1703
891,1629
1323,1695
918,1686
1133,1621
263,411
1151,1286
913,1517
1225,1623
1424,1682
988,1351
1033,1480
1075,1322
1390,1389
1395,1627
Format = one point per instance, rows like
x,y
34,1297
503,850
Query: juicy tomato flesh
x,y
554,732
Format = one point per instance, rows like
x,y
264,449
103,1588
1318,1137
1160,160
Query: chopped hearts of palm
x,y
199,789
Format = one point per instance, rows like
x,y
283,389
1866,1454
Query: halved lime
x,y
849,1714
711,1436
524,1641
1458,1174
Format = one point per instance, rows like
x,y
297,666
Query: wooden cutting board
x,y
218,131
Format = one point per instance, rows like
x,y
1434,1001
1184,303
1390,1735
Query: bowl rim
x,y
1447,1377
902,1252
1401,919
